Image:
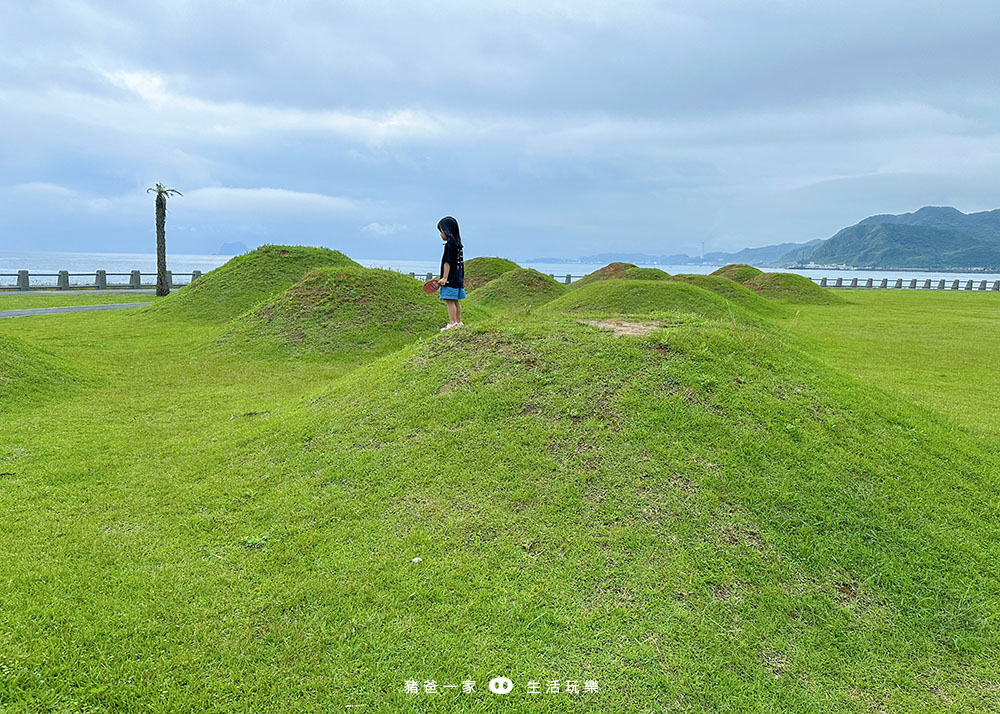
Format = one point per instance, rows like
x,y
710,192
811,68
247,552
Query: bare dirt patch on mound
x,y
634,328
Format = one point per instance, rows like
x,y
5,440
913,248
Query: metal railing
x,y
99,280
103,280
911,284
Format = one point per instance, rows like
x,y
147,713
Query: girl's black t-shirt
x,y
453,256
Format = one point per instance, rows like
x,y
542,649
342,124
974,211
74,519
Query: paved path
x,y
72,308
73,291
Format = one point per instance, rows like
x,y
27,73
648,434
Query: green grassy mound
x,y
518,288
707,501
340,314
608,272
791,287
734,292
480,271
703,519
642,297
740,272
246,280
644,274
27,372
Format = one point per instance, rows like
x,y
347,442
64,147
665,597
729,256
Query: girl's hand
x,y
442,281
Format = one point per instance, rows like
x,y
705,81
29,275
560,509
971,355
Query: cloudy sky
x,y
546,128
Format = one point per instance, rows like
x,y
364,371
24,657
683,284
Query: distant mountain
x,y
765,255
985,224
798,255
552,260
637,258
933,238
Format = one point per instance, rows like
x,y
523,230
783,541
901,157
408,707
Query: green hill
x,y
984,225
734,292
890,245
797,257
933,238
479,271
791,287
644,274
740,272
704,518
608,272
340,314
610,500
643,297
518,288
246,280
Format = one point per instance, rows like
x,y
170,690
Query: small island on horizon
x,y
234,248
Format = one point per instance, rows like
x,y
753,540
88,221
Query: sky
x,y
547,129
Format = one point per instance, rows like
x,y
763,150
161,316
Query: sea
x,y
43,267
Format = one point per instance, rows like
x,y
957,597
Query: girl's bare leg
x,y
452,304
458,311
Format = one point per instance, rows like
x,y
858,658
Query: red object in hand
x,y
431,286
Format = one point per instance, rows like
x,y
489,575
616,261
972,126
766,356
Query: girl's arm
x,y
449,260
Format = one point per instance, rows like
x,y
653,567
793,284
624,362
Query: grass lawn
x,y
701,518
28,300
936,348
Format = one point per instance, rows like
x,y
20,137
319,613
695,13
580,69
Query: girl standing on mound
x,y
452,271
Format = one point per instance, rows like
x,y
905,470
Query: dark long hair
x,y
449,226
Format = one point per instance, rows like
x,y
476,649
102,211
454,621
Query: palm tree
x,y
161,236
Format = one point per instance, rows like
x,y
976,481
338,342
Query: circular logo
x,y
501,685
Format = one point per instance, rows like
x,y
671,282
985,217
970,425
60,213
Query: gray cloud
x,y
546,128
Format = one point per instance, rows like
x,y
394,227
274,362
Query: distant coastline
x,y
938,239
763,266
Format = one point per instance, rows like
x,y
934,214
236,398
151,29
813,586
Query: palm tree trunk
x,y
161,245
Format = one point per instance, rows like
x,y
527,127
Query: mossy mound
x,y
740,272
791,287
246,280
518,288
644,274
643,297
608,272
27,372
734,292
480,271
545,473
340,314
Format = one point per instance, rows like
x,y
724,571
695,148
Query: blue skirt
x,y
452,293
